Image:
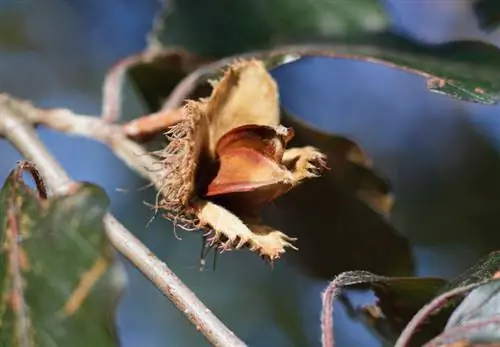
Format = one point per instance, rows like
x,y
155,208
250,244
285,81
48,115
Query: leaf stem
x,y
331,292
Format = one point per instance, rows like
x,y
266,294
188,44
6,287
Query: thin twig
x,y
16,124
332,292
152,124
92,127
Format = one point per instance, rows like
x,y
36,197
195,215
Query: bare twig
x,y
63,120
152,124
16,124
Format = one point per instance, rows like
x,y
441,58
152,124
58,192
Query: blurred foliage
x,y
56,285
206,29
13,35
340,218
488,14
447,67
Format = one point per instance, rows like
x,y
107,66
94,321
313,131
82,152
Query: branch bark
x,y
17,121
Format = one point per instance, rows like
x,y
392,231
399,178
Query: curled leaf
x,y
228,158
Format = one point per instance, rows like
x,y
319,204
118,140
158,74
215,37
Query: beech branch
x,y
17,124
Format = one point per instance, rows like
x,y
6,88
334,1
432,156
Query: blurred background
x,y
441,155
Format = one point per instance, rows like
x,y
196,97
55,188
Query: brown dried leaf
x,y
247,94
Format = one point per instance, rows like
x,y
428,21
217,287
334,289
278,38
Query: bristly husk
x,y
246,95
179,163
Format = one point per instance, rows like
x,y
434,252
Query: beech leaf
x,y
58,283
477,318
353,30
467,318
261,24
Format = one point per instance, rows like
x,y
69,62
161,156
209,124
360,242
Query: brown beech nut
x,y
228,157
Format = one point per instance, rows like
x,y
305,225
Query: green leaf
x,y
446,67
476,319
469,317
52,251
225,27
487,13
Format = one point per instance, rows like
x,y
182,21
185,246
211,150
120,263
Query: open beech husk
x,y
228,158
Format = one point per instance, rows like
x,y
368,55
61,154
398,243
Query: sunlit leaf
x,y
56,283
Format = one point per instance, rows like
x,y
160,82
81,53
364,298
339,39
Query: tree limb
x,y
66,121
17,120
